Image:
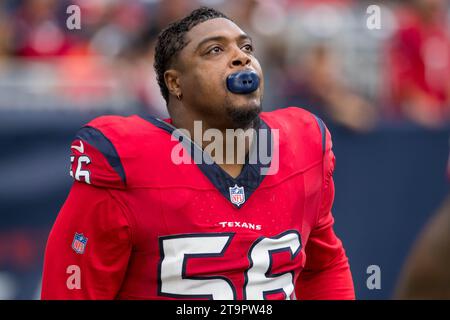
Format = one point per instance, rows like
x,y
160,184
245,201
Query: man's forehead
x,y
214,27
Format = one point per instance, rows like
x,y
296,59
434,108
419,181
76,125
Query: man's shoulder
x,y
105,149
298,124
117,126
292,117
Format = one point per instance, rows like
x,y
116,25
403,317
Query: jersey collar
x,y
236,190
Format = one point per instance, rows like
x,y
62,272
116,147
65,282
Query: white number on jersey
x,y
259,282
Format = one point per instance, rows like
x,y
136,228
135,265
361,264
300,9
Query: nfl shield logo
x,y
79,243
237,195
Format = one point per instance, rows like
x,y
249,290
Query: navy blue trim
x,y
250,177
98,140
323,131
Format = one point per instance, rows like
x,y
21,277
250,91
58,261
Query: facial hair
x,y
243,117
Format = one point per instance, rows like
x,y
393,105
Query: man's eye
x,y
248,47
214,50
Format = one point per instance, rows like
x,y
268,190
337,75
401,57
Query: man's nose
x,y
240,59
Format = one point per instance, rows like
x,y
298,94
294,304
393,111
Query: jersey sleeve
x,y
95,160
88,247
326,274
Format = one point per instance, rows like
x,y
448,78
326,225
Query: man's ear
x,y
172,80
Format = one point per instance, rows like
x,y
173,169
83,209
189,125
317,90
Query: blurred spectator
x,y
37,30
172,10
137,69
6,37
315,84
419,64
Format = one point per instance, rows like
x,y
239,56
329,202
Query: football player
x,y
140,224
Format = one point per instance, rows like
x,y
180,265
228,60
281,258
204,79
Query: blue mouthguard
x,y
243,82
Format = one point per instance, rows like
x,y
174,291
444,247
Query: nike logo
x,y
79,148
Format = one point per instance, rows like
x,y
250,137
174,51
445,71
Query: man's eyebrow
x,y
222,38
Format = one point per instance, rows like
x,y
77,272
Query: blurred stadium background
x,y
384,93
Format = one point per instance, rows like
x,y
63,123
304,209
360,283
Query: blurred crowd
x,y
320,55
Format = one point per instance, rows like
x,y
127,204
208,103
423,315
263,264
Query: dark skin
x,y
215,49
426,274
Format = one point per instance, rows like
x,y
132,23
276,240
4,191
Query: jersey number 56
x,y
259,282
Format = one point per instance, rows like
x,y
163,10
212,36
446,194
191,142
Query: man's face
x,y
217,48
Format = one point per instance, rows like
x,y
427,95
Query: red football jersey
x,y
136,225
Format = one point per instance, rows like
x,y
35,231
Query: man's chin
x,y
243,116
